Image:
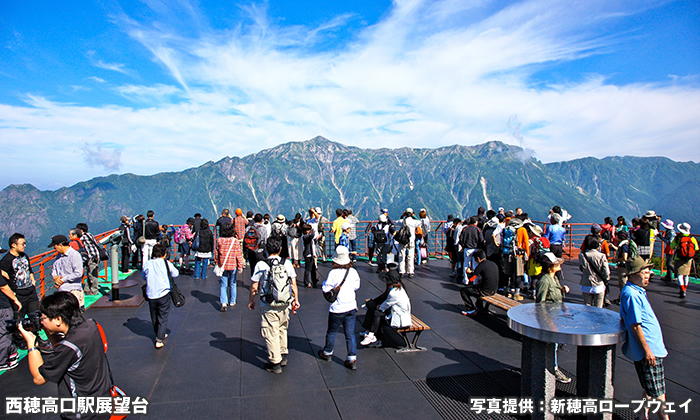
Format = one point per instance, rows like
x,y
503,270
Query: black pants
x,y
473,290
30,303
310,276
558,251
373,316
252,259
160,308
126,250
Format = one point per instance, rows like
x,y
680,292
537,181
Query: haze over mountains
x,y
294,176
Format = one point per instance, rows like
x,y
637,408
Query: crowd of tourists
x,y
493,251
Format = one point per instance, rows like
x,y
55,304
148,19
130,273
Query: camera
x,y
31,325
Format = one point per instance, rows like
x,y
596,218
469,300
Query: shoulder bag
x,y
175,294
332,295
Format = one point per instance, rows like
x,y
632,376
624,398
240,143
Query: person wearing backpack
x,y
685,247
274,279
406,238
254,242
183,237
343,311
382,232
278,230
204,252
127,242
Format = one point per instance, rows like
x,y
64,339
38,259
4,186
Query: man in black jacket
x,y
152,233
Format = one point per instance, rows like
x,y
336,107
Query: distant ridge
x,y
294,176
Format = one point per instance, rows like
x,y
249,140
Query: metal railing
x,y
576,232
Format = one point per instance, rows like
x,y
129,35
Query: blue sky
x,y
90,88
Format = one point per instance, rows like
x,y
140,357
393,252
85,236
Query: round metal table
x,y
595,332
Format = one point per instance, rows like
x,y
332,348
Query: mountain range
x,y
295,176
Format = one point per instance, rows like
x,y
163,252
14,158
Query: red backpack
x,y
686,248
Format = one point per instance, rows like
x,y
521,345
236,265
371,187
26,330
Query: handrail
x,y
45,260
576,232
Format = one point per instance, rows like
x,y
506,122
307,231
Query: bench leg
x,y
413,346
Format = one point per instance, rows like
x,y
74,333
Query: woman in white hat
x,y
667,237
685,247
343,310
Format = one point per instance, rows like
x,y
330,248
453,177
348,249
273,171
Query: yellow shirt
x,y
336,228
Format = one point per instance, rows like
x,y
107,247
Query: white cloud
x,y
429,74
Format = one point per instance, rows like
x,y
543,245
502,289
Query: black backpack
x,y
379,235
403,236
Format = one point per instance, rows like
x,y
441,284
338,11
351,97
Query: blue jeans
x,y
419,243
228,287
347,320
200,267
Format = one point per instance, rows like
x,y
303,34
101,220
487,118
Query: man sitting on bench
x,y
484,282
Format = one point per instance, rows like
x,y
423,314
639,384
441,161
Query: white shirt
x,y
346,301
400,306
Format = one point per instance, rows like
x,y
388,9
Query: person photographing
x,y
78,364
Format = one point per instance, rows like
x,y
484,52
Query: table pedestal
x,y
594,374
537,375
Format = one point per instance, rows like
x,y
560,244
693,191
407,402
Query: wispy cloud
x,y
102,156
428,74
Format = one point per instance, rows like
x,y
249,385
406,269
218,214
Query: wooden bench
x,y
500,301
417,327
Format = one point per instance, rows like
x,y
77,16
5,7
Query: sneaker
x,y
14,356
369,339
273,367
231,305
223,307
410,276
159,344
323,355
364,333
607,303
518,297
560,377
682,294
283,363
11,364
469,313
350,364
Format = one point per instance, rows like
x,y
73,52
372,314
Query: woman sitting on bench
x,y
387,312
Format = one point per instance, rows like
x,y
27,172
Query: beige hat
x,y
550,258
684,228
637,264
281,218
651,214
409,210
341,256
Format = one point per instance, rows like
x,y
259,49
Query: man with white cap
x,y
407,252
685,247
667,237
645,342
